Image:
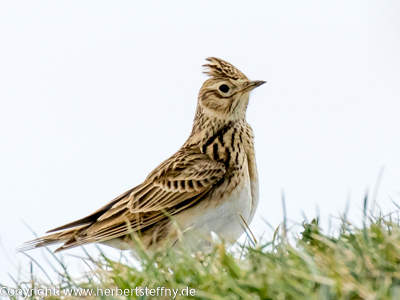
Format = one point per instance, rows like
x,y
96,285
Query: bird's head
x,y
225,94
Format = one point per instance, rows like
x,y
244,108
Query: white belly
x,y
224,218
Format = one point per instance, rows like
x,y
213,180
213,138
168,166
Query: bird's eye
x,y
224,88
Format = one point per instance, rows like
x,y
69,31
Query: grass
x,y
359,263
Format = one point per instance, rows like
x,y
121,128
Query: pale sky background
x,y
95,94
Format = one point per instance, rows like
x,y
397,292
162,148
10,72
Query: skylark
x,y
208,185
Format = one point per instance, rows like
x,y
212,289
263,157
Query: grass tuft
x,y
359,263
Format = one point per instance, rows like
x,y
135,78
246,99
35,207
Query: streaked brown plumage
x,y
204,186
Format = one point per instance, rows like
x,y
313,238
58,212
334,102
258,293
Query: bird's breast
x,y
228,144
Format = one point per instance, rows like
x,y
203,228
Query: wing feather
x,y
176,184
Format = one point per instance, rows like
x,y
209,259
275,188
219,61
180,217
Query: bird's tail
x,y
65,236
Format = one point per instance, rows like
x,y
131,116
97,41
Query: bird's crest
x,y
220,68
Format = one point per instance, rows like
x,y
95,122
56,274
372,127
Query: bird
x,y
210,185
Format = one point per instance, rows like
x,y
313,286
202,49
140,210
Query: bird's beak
x,y
252,85
255,83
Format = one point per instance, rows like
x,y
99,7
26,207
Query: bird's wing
x,y
176,184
